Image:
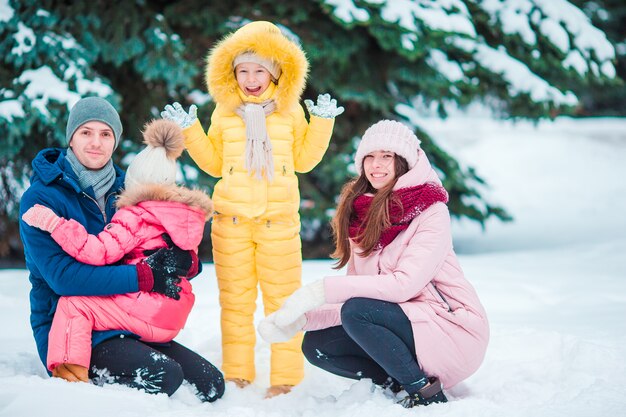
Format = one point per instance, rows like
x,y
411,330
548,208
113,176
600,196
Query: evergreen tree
x,y
607,100
380,59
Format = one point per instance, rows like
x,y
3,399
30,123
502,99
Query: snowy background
x,y
553,283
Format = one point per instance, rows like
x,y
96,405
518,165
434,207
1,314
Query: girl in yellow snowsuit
x,y
257,141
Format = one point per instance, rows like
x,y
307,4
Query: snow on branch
x,y
347,11
562,24
48,66
437,27
520,79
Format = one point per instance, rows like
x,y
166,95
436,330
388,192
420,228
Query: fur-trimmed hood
x,y
266,40
159,192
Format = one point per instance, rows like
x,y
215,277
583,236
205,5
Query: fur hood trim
x,y
158,192
267,41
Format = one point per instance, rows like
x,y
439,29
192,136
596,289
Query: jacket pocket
x,y
441,298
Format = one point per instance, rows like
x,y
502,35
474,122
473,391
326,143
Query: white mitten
x,y
325,108
176,113
302,300
272,333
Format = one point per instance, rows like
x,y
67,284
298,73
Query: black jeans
x,y
374,341
154,368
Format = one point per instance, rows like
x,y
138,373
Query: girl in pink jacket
x,y
404,315
151,209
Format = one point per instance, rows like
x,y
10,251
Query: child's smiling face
x,y
253,79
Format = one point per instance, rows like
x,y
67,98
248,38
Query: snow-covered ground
x,y
553,283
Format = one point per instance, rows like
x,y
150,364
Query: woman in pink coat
x,y
404,315
151,211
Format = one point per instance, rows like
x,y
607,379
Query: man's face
x,y
93,144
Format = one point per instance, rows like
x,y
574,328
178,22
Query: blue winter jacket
x,y
54,273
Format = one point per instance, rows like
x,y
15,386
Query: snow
x,y
24,40
347,11
10,109
576,61
520,79
440,15
6,11
552,283
514,18
42,85
556,20
558,35
449,69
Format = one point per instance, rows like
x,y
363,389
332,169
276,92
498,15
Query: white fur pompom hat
x,y
390,136
156,163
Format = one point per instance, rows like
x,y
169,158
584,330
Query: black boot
x,y
429,394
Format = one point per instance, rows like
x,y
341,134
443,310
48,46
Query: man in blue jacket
x,y
81,183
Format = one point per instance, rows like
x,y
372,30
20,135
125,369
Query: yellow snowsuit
x,y
255,229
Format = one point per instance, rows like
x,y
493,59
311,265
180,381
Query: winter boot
x,y
431,393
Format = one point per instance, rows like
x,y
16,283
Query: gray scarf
x,y
100,180
259,159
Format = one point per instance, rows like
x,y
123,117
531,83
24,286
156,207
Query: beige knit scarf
x,y
259,159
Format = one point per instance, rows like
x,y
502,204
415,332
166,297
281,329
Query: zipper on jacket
x,y
67,342
230,170
102,211
106,203
442,297
284,170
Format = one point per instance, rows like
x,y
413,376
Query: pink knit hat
x,y
390,136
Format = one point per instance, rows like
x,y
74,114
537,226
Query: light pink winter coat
x,y
419,271
143,216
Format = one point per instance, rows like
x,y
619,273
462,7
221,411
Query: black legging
x,y
154,368
374,341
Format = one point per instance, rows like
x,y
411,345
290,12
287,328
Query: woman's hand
x,y
273,333
302,300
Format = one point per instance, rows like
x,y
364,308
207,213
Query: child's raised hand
x,y
42,218
177,114
325,108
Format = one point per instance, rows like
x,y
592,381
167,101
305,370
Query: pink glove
x,y
41,217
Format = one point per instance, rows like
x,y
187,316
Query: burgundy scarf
x,y
413,201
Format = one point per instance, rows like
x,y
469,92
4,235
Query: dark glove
x,y
185,262
160,272
152,276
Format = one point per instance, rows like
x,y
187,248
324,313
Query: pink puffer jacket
x,y
419,271
143,217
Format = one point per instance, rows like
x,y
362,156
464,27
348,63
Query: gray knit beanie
x,y
93,109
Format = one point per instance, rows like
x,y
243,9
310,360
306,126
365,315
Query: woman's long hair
x,y
376,219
